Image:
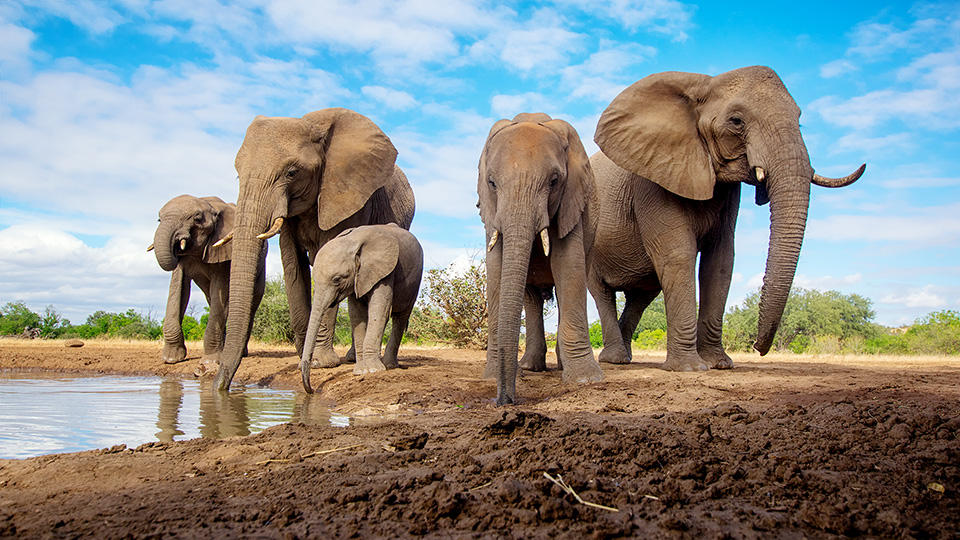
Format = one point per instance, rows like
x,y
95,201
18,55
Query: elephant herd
x,y
663,192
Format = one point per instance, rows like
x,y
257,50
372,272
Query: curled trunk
x,y
513,279
163,246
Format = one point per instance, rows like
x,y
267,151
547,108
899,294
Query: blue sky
x,y
109,109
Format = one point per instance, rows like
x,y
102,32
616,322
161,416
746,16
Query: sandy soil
x,y
786,447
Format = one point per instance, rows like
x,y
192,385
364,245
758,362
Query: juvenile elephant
x,y
535,181
186,244
308,179
378,269
674,149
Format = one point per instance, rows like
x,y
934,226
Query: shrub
x,y
655,339
457,303
15,316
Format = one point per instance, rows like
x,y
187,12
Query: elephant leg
x,y
174,349
323,354
493,263
351,356
535,352
573,338
215,290
716,271
676,271
296,280
637,301
369,333
614,349
400,322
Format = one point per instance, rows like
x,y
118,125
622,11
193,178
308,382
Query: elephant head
x,y
192,227
349,265
534,182
687,132
320,169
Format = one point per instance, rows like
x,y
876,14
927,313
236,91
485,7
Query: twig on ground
x,y
563,485
330,451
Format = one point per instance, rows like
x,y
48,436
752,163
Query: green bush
x,y
15,316
655,339
596,334
456,303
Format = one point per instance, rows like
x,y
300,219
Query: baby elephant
x,y
378,269
190,243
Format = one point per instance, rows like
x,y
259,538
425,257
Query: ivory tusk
x,y
839,182
183,244
493,240
273,230
545,240
224,240
150,248
761,174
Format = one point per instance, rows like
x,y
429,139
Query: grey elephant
x,y
675,148
186,244
308,179
377,268
534,183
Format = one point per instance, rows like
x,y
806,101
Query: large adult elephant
x,y
186,244
674,149
534,183
308,179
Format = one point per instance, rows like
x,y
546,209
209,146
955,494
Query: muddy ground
x,y
785,447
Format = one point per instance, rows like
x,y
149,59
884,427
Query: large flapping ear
x,y
488,203
377,256
357,159
650,129
224,219
579,185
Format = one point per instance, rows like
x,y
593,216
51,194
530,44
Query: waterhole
x,y
42,413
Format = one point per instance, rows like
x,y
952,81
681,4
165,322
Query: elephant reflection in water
x,y
221,415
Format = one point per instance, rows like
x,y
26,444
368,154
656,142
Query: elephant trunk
x,y
513,279
254,216
325,300
163,245
789,190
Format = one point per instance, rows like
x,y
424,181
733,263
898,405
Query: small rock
x,y
73,343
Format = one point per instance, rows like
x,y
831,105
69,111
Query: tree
x,y
272,321
15,316
457,303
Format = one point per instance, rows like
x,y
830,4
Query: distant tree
x,y
15,316
52,324
456,302
272,320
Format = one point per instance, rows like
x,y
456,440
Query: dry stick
x,y
321,452
570,490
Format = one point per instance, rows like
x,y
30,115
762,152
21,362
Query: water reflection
x,y
43,413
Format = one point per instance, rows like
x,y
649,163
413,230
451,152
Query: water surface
x,y
44,413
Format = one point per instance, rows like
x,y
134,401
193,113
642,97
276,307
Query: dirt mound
x,y
804,448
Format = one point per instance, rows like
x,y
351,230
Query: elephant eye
x,y
736,121
553,180
492,183
292,172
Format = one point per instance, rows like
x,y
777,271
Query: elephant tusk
x,y
545,240
224,240
493,240
150,248
273,230
839,182
761,174
183,244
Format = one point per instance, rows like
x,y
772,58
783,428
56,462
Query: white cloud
x,y
666,17
542,44
917,227
911,182
392,99
826,282
602,76
837,68
508,106
929,297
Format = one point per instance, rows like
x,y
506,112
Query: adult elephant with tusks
x,y
534,184
675,148
307,179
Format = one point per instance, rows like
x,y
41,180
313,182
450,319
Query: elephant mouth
x,y
181,247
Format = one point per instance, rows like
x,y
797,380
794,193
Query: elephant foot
x,y
173,354
534,362
369,367
208,364
390,362
325,358
718,359
684,363
614,355
584,370
351,356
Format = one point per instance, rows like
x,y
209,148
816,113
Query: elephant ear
x,y
650,129
377,256
225,219
579,185
358,159
488,203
